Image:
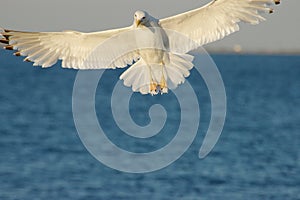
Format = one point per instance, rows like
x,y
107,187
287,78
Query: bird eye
x,y
144,18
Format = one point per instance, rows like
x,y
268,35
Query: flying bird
x,y
150,70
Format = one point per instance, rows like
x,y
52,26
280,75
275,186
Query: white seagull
x,y
153,70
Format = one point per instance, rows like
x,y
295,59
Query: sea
x,y
256,157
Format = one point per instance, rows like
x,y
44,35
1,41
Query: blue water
x,y
257,156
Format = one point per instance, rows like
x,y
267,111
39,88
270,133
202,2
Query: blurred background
x,y
280,33
257,156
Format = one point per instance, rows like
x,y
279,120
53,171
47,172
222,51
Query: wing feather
x,y
73,48
217,19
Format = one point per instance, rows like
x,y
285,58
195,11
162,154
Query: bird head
x,y
140,18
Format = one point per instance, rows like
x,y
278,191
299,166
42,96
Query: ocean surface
x,y
256,157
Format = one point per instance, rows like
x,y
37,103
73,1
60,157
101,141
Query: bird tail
x,y
178,69
158,78
138,77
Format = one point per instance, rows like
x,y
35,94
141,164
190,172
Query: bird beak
x,y
138,22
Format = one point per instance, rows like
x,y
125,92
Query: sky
x,y
280,33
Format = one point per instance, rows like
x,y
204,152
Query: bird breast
x,y
151,45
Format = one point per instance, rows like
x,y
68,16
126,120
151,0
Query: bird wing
x,y
75,49
217,19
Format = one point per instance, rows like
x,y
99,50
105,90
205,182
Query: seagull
x,y
150,70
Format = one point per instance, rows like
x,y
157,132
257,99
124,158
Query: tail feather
x,y
137,77
178,69
154,78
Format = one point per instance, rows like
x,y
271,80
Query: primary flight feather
x,y
151,70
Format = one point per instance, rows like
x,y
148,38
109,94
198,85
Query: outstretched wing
x,y
217,19
73,48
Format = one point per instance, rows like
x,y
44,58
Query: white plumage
x,y
150,70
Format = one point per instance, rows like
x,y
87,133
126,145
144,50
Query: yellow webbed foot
x,y
153,88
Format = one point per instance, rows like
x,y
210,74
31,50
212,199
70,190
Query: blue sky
x,y
281,31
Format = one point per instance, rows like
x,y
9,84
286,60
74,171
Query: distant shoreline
x,y
229,52
232,52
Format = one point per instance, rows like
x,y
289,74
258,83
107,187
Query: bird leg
x,y
153,85
163,83
153,88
